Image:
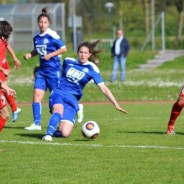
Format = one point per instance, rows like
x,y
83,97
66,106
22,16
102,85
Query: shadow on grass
x,y
141,132
82,140
148,132
179,133
31,135
39,136
14,127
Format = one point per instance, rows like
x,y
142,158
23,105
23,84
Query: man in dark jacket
x,y
119,51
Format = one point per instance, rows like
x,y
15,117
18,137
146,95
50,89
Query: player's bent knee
x,y
5,114
181,103
65,134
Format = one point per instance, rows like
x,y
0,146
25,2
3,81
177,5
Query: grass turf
x,y
131,148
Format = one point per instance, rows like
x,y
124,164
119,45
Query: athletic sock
x,y
53,122
37,112
11,101
58,134
2,123
175,112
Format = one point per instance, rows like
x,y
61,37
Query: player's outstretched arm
x,y
55,53
17,63
30,55
110,96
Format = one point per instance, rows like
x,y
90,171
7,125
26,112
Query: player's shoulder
x,y
70,59
36,34
53,33
93,66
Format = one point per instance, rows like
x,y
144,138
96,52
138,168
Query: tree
x,y
121,15
146,9
179,7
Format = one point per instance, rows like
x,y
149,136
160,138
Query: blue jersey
x,y
44,44
75,76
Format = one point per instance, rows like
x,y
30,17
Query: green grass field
x,y
132,148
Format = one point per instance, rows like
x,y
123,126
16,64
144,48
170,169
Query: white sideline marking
x,y
92,145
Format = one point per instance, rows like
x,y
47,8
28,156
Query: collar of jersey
x,y
87,62
43,34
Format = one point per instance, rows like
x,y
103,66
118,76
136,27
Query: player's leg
x,y
10,99
56,107
52,125
175,112
4,115
80,113
67,121
39,92
15,110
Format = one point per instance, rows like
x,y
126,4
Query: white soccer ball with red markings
x,y
90,130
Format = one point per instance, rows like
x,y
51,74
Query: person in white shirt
x,y
119,52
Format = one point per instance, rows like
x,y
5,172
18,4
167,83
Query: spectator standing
x,y
119,52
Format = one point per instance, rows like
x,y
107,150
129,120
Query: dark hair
x,y
91,46
44,14
5,29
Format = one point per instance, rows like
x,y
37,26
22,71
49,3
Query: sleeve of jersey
x,y
34,43
6,43
57,41
96,76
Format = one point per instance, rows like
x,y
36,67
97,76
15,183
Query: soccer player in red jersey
x,y
4,115
175,112
5,31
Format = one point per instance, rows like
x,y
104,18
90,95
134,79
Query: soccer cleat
x,y
47,138
16,114
170,130
57,133
80,114
33,127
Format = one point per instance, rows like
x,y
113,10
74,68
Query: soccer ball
x,y
90,130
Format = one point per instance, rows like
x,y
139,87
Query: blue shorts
x,y
44,82
69,103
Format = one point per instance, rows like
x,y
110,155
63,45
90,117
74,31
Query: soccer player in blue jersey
x,y
48,45
64,99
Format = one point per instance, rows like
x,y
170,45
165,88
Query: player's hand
x,y
27,56
17,64
6,72
9,91
121,109
47,57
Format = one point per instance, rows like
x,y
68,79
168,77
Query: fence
x,y
23,18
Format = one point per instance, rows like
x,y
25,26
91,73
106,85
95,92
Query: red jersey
x,y
3,45
3,62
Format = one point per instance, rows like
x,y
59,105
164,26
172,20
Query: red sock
x,y
2,123
11,101
176,110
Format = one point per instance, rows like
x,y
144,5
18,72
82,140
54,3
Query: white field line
x,y
93,145
156,82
